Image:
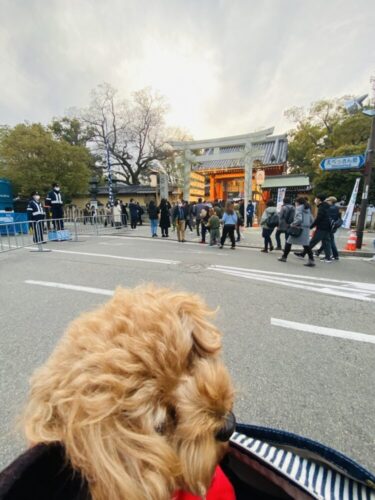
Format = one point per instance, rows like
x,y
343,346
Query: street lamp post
x,y
352,107
366,185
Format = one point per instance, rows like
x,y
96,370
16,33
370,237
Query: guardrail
x,y
15,235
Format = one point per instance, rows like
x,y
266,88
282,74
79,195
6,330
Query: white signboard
x,y
280,198
347,219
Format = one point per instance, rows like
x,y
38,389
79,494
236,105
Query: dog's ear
x,y
194,314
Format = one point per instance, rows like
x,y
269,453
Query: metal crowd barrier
x,y
14,235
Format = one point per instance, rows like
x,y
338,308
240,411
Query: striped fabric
x,y
320,481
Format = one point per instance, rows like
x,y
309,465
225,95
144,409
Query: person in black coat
x,y
153,213
133,209
334,215
36,215
55,201
323,229
124,214
165,220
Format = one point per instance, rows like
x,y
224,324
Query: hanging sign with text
x,y
343,163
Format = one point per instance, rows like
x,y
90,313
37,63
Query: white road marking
x,y
339,288
120,257
321,330
171,240
88,289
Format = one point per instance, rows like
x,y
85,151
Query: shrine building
x,y
226,167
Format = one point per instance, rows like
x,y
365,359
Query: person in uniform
x,y
36,215
54,200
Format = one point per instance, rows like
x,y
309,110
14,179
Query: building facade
x,y
225,168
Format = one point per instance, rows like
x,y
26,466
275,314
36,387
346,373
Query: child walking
x,y
214,226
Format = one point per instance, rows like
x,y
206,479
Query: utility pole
x,y
366,185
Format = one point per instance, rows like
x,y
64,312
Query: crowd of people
x,y
293,223
204,217
296,222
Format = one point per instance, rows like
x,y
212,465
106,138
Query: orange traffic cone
x,y
351,245
255,221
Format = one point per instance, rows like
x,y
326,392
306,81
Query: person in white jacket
x,y
117,214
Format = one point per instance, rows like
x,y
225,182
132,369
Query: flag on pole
x,y
347,219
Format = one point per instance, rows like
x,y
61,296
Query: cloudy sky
x,y
225,66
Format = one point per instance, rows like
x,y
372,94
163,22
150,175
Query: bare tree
x,y
132,132
172,163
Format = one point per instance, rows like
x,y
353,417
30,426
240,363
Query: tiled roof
x,y
206,165
269,153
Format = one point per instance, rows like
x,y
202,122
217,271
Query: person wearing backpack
x,y
286,217
299,231
336,223
268,222
323,229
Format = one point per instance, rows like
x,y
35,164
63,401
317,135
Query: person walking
x,y
94,214
117,214
36,215
153,213
299,231
179,218
203,222
133,209
165,220
268,222
55,201
229,222
239,221
197,210
336,222
214,227
140,213
323,229
124,214
87,214
286,217
189,220
108,218
250,214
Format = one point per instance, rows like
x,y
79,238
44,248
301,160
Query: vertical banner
x,y
280,198
347,219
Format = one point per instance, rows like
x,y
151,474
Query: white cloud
x,y
225,66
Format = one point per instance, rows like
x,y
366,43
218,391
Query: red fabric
x,y
220,489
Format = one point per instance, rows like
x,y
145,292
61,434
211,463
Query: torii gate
x,y
245,150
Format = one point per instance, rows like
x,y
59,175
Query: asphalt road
x,y
320,386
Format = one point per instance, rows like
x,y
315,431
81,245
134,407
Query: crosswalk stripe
x,y
321,330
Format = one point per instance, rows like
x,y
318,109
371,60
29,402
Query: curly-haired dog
x,y
138,395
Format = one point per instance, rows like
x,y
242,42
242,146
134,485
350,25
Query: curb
x,y
342,253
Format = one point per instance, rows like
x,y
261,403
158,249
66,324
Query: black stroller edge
x,y
320,451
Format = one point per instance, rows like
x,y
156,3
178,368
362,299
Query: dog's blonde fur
x,y
136,391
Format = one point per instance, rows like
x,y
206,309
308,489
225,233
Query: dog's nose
x,y
228,428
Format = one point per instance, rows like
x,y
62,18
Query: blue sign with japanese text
x,y
343,162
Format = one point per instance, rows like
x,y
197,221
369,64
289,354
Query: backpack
x,y
335,224
272,221
290,216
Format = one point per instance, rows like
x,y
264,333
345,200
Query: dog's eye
x,y
170,422
228,428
